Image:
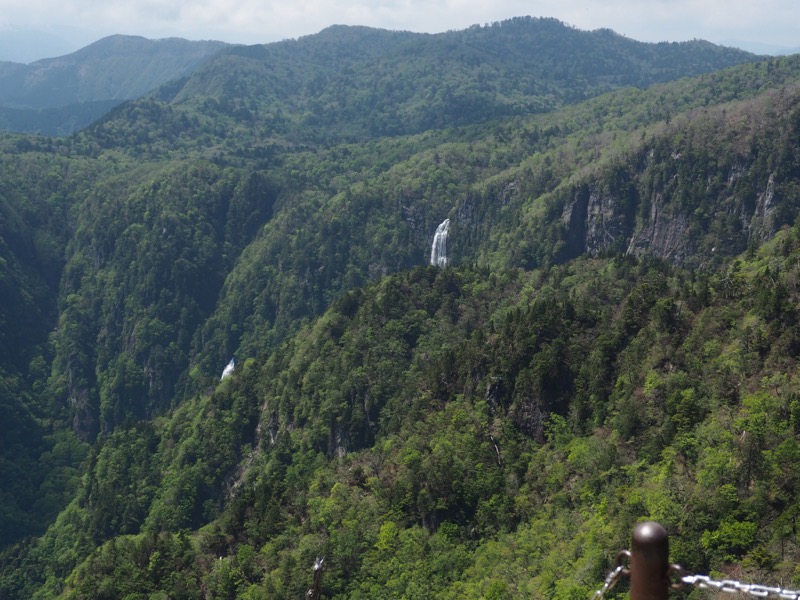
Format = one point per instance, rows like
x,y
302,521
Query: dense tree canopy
x,y
615,337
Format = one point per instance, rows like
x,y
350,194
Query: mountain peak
x,y
117,67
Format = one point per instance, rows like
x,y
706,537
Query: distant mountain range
x,y
58,95
616,335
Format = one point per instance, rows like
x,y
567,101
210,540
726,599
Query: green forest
x,y
614,339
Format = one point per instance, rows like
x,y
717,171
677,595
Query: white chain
x,y
728,585
611,580
703,582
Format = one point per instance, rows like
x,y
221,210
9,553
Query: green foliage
x,y
357,83
143,271
593,355
141,566
424,474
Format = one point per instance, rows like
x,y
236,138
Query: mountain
x,y
437,433
234,91
81,86
352,83
614,336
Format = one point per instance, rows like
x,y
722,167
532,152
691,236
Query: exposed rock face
x,y
593,221
762,224
603,225
84,424
663,234
599,218
573,217
595,224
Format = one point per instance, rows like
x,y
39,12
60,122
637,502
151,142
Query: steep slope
x,y
695,188
599,178
144,266
208,221
312,251
38,460
609,176
452,432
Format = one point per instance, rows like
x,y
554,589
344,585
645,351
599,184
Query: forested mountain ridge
x,y
291,287
184,229
693,189
338,75
60,95
518,193
356,83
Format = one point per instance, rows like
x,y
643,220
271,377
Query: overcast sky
x,y
79,22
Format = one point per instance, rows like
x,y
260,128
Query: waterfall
x,y
228,370
439,247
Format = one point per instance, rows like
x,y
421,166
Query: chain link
x,y
704,582
614,575
731,586
611,580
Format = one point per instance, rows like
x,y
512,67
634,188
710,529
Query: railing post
x,y
315,590
649,562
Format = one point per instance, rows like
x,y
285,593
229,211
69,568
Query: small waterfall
x,y
228,370
439,247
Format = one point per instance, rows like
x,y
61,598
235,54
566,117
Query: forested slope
x,y
343,214
459,434
38,466
354,83
615,339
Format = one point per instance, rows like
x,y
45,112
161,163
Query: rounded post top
x,y
648,533
649,562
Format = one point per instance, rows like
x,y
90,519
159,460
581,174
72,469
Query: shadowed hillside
x,y
613,338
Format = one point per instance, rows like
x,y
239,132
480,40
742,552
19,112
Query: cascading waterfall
x,y
439,247
228,370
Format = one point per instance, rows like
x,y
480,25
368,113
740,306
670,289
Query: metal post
x,y
315,590
649,562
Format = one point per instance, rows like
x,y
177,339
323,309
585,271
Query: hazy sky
x,y
774,22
